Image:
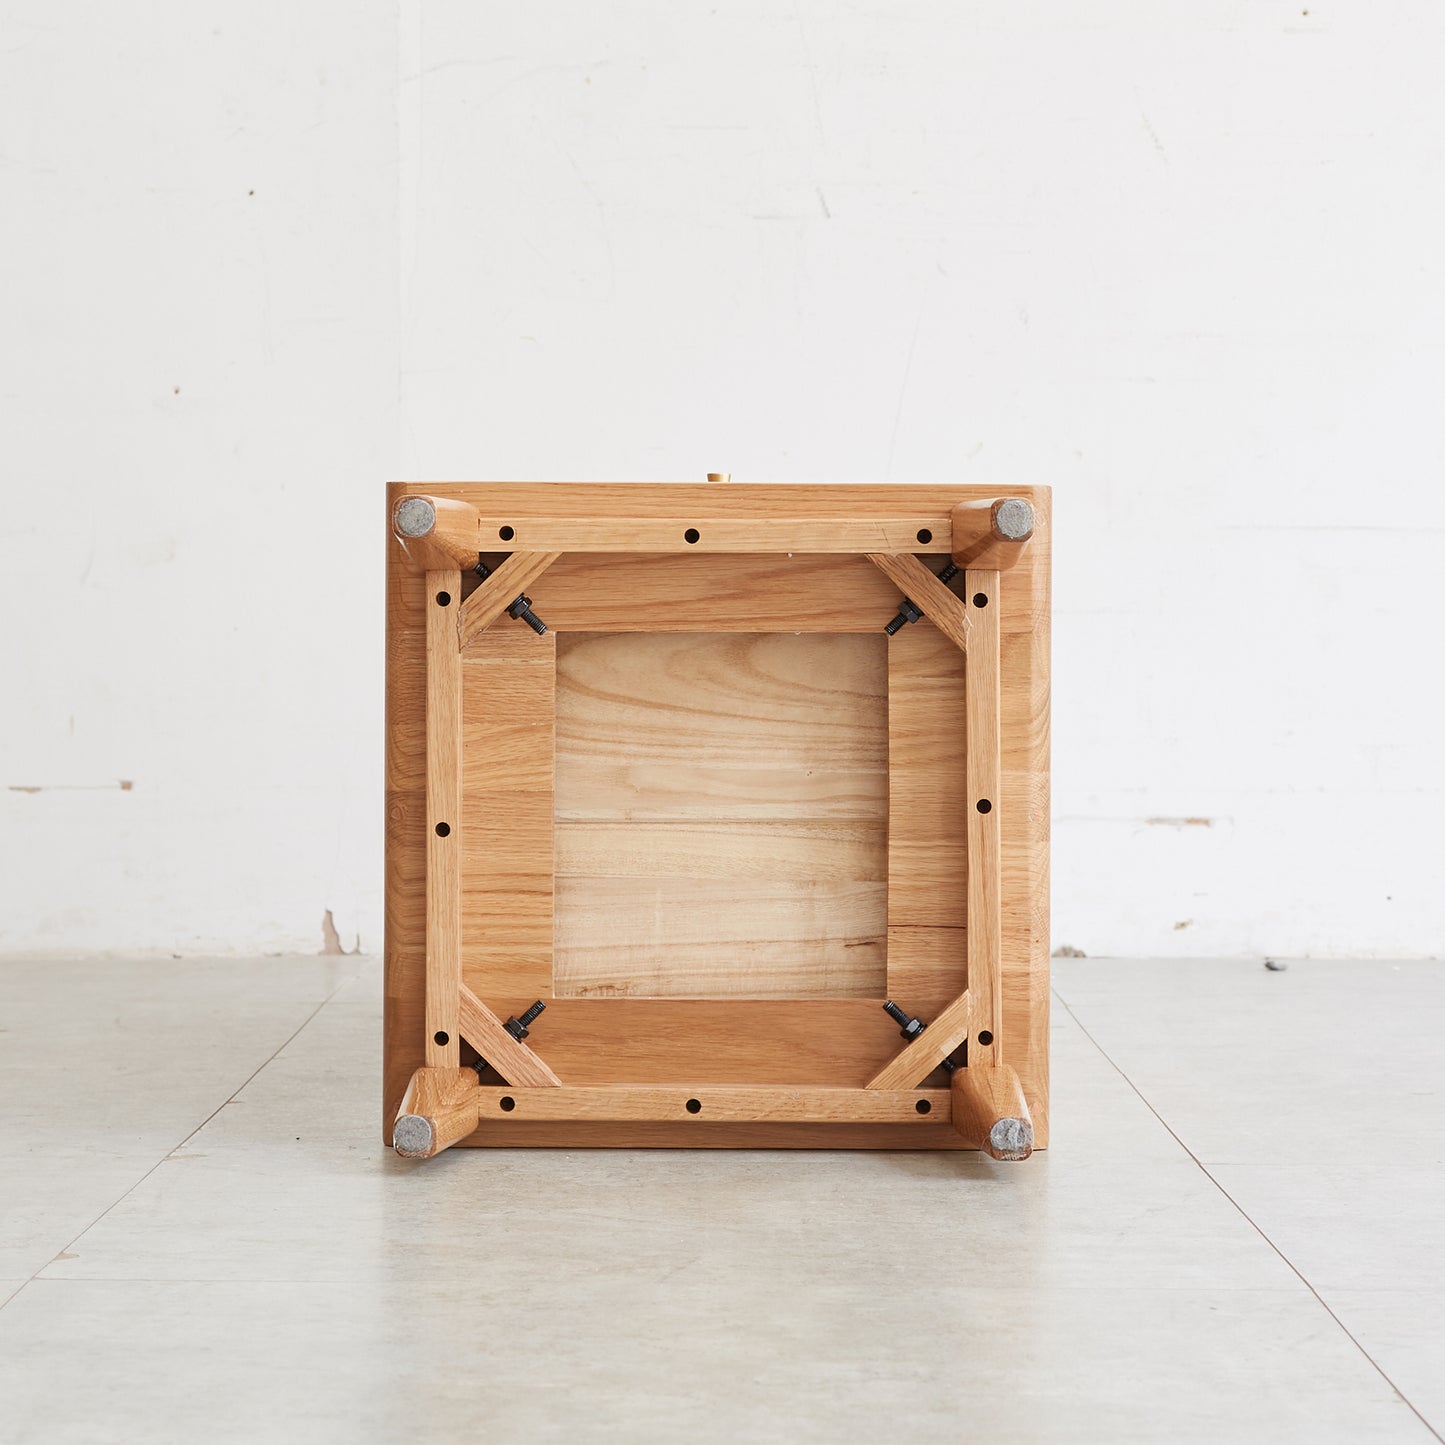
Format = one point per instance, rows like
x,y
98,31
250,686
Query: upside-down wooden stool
x,y
717,815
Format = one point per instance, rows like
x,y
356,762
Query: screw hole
x,y
923,1106
984,806
505,533
692,535
694,1106
924,536
506,1103
443,829
980,599
441,1038
444,599
985,1037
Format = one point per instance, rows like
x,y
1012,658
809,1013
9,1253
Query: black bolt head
x,y
907,612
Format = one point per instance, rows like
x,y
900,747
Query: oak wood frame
x,y
820,1073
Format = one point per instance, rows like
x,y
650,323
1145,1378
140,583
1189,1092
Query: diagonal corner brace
x,y
501,588
910,1067
512,1059
940,606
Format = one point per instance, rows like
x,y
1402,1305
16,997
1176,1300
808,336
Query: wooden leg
x,y
440,1107
989,1109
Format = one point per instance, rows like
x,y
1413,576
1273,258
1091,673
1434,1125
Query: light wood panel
x,y
720,937
443,799
1024,624
642,501
508,689
673,727
927,967
584,592
927,782
404,935
772,749
781,850
690,1042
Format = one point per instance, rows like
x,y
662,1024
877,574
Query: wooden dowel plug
x,y
440,1107
989,1110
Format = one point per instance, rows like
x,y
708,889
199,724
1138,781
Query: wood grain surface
x,y
508,683
720,815
927,862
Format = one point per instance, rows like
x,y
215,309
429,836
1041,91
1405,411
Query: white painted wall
x,y
197,383
1179,261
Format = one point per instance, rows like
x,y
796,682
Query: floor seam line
x,y
235,1093
1244,1214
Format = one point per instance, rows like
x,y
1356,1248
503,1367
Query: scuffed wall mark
x,y
124,784
1180,822
1067,950
1183,923
331,939
1150,131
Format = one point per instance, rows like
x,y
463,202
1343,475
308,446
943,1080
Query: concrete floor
x,y
1238,1234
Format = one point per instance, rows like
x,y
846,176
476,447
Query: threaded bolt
x,y
908,1028
949,572
907,612
517,1027
522,609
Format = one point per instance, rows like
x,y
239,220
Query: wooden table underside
x,y
474,910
